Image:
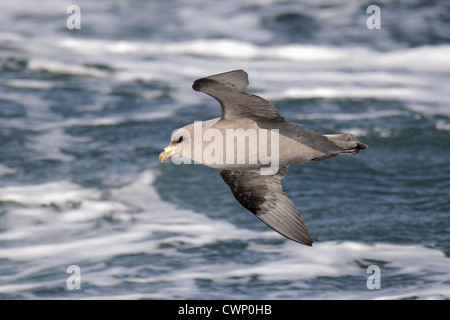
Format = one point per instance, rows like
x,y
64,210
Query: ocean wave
x,y
353,116
301,71
55,224
424,58
290,71
4,170
443,125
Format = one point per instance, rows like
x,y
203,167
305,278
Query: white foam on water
x,y
432,58
352,116
56,224
296,265
4,170
385,68
46,193
429,109
30,84
443,125
425,58
11,37
36,107
358,92
52,138
69,68
415,75
50,145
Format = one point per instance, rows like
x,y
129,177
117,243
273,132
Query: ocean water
x,y
85,112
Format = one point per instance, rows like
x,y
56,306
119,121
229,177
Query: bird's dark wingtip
x,y
201,83
304,239
308,243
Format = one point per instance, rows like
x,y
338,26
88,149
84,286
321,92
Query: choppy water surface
x,y
84,114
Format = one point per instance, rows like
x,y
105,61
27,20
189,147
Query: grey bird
x,y
245,116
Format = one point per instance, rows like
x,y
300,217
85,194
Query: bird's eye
x,y
180,139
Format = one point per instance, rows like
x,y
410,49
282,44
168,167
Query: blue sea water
x,y
84,114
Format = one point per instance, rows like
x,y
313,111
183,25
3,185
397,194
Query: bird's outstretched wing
x,y
264,196
229,89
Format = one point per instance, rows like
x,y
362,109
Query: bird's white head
x,y
180,145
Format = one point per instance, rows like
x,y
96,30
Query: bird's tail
x,y
346,142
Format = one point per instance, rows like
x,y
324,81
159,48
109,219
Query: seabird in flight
x,y
246,116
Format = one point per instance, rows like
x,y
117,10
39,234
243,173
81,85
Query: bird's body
x,y
305,145
253,146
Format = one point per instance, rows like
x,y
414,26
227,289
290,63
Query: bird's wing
x,y
264,196
229,89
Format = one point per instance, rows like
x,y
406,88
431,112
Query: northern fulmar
x,y
239,144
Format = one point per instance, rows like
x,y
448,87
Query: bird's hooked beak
x,y
167,153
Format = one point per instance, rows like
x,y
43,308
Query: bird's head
x,y
180,145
